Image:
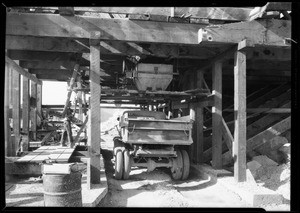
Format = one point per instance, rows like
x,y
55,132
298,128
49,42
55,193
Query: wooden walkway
x,y
55,153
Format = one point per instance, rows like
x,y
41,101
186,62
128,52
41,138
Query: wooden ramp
x,y
55,153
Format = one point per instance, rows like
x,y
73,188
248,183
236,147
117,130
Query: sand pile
x,y
269,174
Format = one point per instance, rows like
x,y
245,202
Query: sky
x,y
54,93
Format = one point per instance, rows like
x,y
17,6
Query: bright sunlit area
x,y
54,93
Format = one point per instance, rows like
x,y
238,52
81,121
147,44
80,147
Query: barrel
x,y
62,190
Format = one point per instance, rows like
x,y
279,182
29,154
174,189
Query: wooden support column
x,y
16,109
217,116
199,123
79,98
239,145
7,88
26,112
33,115
94,114
39,103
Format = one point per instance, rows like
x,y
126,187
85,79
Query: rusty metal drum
x,y
62,190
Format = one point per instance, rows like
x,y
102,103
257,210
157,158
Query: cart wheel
x,y
186,164
127,165
177,168
118,164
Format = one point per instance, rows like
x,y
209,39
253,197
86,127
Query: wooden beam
x,y
66,11
199,120
264,110
83,126
16,108
265,32
217,116
7,128
72,81
52,25
58,57
240,130
26,111
33,115
47,64
79,98
228,138
21,71
219,13
268,134
264,136
94,137
53,44
39,104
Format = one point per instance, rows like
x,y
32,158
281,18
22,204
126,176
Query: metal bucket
x,y
63,190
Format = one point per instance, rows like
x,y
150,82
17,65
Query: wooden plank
x,y
217,116
265,32
33,115
61,65
67,60
218,13
240,130
39,104
26,112
227,135
7,128
199,120
16,115
264,110
80,130
21,71
54,72
44,151
64,157
264,137
51,44
72,81
53,25
66,11
94,137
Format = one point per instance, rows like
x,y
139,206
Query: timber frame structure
x,y
219,55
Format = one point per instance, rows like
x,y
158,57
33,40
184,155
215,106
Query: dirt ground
x,y
157,189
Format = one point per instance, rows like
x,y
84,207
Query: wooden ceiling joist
x,y
264,32
106,47
53,25
219,13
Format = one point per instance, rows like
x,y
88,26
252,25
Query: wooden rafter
x,y
21,71
265,32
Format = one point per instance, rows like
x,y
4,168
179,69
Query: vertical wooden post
x,y
217,116
16,109
239,146
192,148
94,115
25,111
79,98
39,103
199,123
8,147
33,115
